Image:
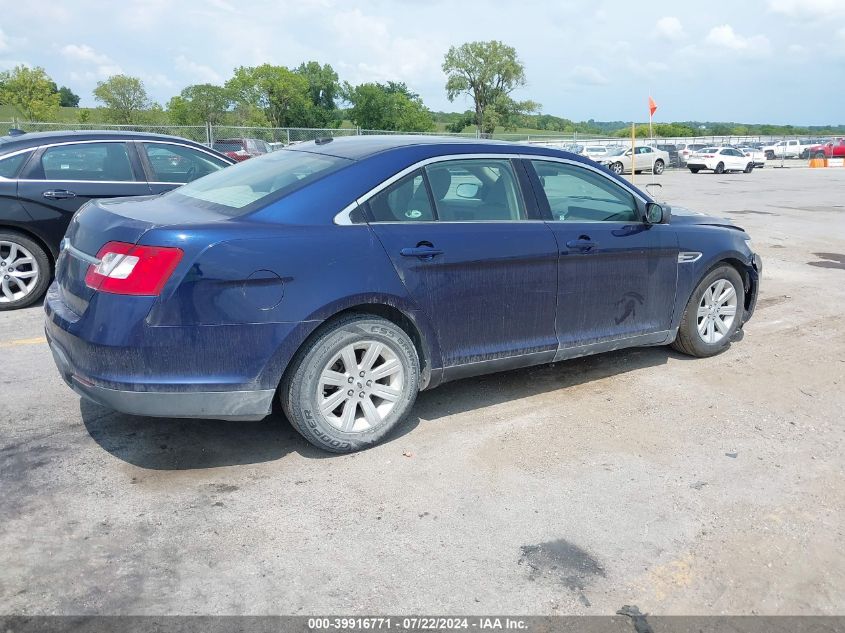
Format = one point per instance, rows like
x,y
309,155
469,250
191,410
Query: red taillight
x,y
127,269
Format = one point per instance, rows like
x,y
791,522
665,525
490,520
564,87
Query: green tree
x,y
199,104
280,94
323,91
388,106
486,71
68,98
124,97
30,92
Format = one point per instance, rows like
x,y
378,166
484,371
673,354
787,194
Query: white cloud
x,y
588,75
669,28
725,37
84,54
808,9
198,73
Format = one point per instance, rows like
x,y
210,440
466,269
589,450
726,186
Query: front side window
x,y
9,166
87,161
235,189
576,194
179,163
475,190
404,201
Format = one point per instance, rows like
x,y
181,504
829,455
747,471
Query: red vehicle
x,y
241,148
832,149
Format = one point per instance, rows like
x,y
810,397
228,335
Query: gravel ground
x,y
639,477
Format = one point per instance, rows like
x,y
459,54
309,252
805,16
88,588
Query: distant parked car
x,y
757,155
685,149
645,159
239,149
790,148
672,150
719,160
832,149
45,177
596,152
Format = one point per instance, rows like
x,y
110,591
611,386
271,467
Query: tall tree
x,y
124,97
68,98
486,71
282,95
199,104
323,90
30,92
388,106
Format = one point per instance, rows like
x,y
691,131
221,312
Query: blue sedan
x,y
345,275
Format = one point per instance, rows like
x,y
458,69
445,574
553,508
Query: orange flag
x,y
652,106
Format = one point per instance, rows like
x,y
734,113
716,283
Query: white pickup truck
x,y
793,148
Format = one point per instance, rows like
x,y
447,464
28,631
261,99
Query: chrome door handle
x,y
58,194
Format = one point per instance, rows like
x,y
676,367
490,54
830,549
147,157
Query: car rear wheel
x,y
659,166
720,169
713,314
749,168
694,170
351,384
617,168
24,271
819,154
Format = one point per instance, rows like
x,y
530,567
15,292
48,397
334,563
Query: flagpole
x,y
633,151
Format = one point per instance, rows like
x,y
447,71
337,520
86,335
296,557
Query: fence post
x,y
208,138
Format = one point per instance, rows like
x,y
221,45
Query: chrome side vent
x,y
687,257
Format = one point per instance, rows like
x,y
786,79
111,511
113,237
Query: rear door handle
x,y
423,252
581,244
58,194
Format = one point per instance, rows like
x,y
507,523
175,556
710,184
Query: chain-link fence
x,y
577,142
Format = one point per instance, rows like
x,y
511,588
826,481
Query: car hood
x,y
684,216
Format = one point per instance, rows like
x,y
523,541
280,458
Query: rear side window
x,y
87,161
179,164
239,188
10,166
475,190
404,201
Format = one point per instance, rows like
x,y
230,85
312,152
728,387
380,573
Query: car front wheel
x,y
720,169
713,314
352,383
24,271
749,168
659,166
617,168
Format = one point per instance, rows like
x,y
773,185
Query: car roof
x,y
358,147
34,139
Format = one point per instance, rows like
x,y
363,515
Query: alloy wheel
x,y
716,311
18,272
360,386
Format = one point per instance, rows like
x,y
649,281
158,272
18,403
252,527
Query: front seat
x,y
116,164
440,180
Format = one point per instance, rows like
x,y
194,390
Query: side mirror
x,y
656,214
466,190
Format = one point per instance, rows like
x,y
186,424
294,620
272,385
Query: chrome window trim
x,y
343,217
99,182
204,150
12,155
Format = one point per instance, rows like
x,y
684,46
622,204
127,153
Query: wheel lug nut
x,y
350,380
369,383
361,374
350,393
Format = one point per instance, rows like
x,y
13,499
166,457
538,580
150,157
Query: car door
x,y
644,158
616,275
476,258
169,165
63,177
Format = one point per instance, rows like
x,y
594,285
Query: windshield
x,y
617,152
236,189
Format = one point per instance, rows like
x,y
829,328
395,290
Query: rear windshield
x,y
246,186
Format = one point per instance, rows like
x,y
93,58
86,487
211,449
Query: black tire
x,y
41,263
658,168
770,155
748,168
617,168
694,170
720,169
299,390
689,341
819,155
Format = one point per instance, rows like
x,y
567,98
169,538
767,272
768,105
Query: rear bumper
x,y
220,405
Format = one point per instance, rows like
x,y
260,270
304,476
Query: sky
x,y
752,61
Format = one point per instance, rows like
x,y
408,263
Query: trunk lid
x,y
112,220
